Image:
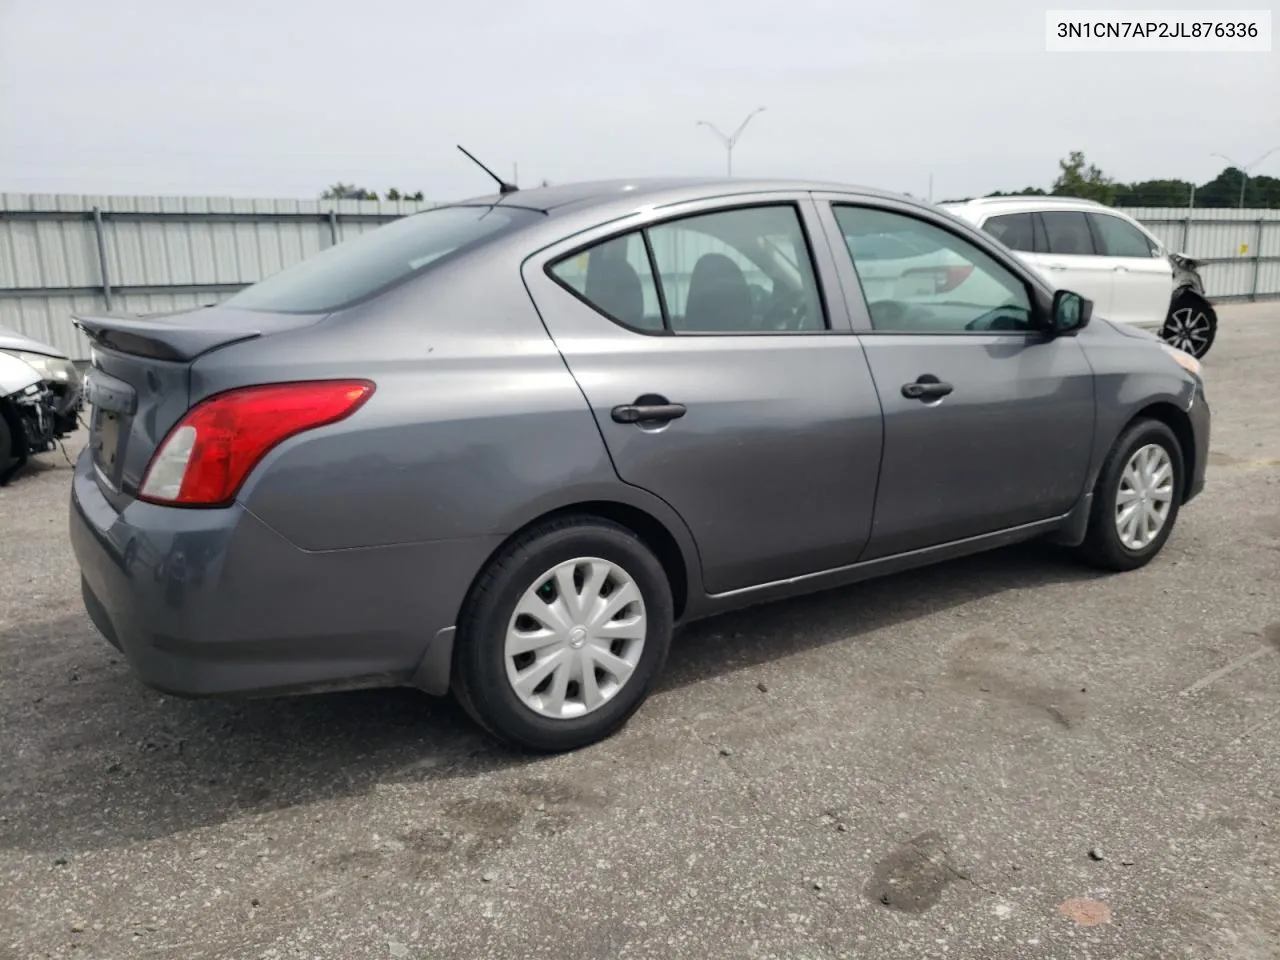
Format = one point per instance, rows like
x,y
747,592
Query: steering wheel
x,y
995,319
899,315
887,311
787,310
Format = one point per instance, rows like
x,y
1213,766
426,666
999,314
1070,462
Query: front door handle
x,y
648,409
926,387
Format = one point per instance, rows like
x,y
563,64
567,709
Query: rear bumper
x,y
215,602
1200,422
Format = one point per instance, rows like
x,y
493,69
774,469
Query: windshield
x,y
374,261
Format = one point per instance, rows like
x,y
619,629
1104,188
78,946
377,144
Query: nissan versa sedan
x,y
505,446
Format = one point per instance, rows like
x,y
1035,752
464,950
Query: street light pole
x,y
1244,170
729,141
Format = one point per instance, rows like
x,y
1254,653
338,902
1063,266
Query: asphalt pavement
x,y
1007,756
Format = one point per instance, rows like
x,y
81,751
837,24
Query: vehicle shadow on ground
x,y
92,759
762,634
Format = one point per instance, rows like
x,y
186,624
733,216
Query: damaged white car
x,y
41,395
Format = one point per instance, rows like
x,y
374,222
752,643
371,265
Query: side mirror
x,y
1071,313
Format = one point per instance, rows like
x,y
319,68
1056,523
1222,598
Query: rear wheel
x,y
1136,498
1191,326
563,635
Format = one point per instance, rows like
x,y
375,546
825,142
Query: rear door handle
x,y
926,387
643,411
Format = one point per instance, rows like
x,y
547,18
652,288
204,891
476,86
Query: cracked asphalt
x,y
1007,756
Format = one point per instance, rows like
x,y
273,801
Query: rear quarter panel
x,y
475,429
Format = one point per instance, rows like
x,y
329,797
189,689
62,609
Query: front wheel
x,y
1136,498
563,635
1191,326
13,454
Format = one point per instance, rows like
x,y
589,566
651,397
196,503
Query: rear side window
x,y
746,270
378,259
1015,230
1120,239
616,278
1068,233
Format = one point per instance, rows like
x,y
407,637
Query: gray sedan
x,y
504,447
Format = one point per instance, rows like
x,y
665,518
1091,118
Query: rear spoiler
x,y
160,338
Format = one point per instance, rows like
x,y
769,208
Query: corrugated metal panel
x,y
1229,239
49,245
53,245
48,319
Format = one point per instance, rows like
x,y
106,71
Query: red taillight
x,y
206,456
944,279
952,277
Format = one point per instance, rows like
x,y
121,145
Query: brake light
x,y
952,277
944,279
209,452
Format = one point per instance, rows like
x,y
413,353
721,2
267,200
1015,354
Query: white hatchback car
x,y
1108,257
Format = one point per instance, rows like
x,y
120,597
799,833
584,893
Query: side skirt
x,y
1068,528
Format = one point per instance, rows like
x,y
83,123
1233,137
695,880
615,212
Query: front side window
x,y
951,286
1119,238
1068,233
742,271
376,260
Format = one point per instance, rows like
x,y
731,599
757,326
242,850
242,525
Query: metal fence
x,y
1239,249
63,254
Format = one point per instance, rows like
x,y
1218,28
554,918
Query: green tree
x,y
1084,180
1156,193
1024,192
1078,178
1224,191
348,191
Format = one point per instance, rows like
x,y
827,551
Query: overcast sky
x,y
282,97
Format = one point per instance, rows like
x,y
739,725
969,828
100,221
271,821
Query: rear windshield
x,y
378,259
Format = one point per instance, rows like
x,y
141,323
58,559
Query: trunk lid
x,y
138,384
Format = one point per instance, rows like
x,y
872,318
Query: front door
x,y
1143,278
988,425
725,379
1072,261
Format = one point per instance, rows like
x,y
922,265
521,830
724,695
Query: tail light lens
x,y
209,452
944,279
951,277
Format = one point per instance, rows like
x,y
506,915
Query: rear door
x,y
1071,260
716,354
988,424
1143,278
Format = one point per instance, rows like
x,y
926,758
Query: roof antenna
x,y
503,186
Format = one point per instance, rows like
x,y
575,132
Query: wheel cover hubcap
x,y
575,638
1188,329
1144,497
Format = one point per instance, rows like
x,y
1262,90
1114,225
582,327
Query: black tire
x,y
479,676
6,438
12,450
1191,325
1102,544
